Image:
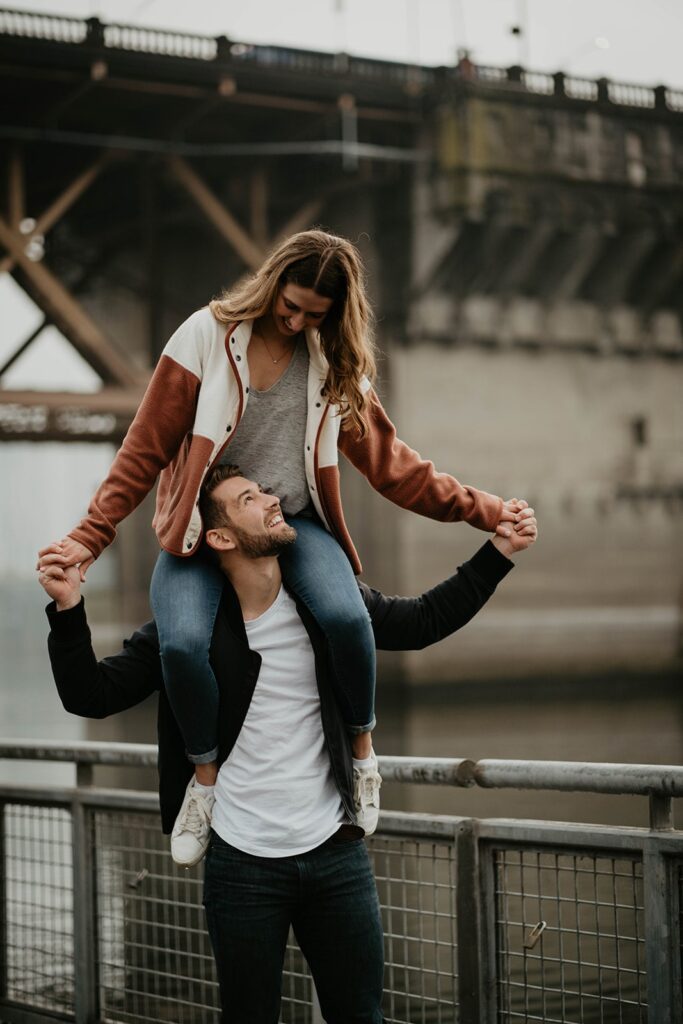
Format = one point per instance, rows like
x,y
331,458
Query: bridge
x,y
497,207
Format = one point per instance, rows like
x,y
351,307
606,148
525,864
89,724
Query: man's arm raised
x,y
87,687
412,623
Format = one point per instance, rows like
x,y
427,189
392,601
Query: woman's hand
x,y
522,537
62,585
65,553
512,509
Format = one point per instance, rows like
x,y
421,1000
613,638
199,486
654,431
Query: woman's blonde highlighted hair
x,y
332,267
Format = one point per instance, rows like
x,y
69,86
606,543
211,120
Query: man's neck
x,y
257,581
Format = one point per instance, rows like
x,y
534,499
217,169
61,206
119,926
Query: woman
x,y
276,377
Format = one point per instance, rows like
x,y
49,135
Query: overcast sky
x,y
637,40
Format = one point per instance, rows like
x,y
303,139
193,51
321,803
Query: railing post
x,y
85,774
85,930
3,906
661,812
662,955
316,1012
472,967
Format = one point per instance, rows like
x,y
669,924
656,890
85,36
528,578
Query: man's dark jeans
x,y
328,896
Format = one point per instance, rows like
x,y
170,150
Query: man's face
x,y
256,524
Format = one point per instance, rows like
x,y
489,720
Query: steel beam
x,y
217,213
515,274
660,900
304,217
580,776
56,210
86,989
25,344
60,305
15,188
579,256
67,416
258,206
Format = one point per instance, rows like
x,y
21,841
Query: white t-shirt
x,y
275,793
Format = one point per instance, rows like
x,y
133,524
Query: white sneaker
x,y
190,835
366,783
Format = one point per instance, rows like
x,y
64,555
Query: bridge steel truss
x,y
163,166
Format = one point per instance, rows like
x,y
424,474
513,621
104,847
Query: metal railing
x,y
495,920
410,77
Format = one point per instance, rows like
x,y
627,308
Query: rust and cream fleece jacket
x,y
189,414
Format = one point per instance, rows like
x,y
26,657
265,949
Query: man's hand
x,y
62,585
67,552
521,537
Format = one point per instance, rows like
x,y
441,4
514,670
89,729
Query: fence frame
x,y
659,849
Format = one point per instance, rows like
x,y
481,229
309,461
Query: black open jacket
x,y
95,689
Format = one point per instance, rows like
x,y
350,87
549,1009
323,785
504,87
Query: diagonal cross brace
x,y
80,329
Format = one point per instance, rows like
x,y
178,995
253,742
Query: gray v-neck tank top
x,y
268,444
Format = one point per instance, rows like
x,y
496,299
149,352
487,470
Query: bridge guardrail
x,y
496,920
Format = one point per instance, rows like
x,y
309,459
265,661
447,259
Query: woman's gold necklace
x,y
270,353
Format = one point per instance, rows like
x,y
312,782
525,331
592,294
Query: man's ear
x,y
220,539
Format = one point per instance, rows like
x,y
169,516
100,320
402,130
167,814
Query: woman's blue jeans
x,y
328,896
185,594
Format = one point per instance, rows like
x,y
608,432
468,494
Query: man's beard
x,y
264,546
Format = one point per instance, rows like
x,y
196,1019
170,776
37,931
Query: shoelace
x,y
369,787
195,817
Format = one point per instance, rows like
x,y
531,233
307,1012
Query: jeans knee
x,y
358,620
350,625
185,650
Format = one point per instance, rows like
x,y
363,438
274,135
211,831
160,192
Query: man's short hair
x,y
211,510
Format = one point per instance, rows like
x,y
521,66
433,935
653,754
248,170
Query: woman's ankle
x,y
206,774
361,744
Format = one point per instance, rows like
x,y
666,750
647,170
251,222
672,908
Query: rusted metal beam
x,y
199,92
15,188
61,416
217,213
258,195
56,210
64,310
25,344
304,217
119,401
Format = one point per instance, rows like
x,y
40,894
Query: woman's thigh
x,y
185,594
317,569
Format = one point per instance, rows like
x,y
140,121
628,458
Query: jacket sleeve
x,y
165,417
404,477
97,689
412,623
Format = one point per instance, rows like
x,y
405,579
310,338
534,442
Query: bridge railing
x,y
412,78
495,920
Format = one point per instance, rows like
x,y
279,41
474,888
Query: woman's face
x,y
297,308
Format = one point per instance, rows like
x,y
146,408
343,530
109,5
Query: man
x,y
285,849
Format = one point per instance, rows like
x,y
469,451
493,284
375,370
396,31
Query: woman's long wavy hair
x,y
332,267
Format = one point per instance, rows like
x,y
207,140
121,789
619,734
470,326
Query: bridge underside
x,y
142,177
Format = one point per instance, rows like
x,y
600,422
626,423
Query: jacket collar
x,y
241,337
